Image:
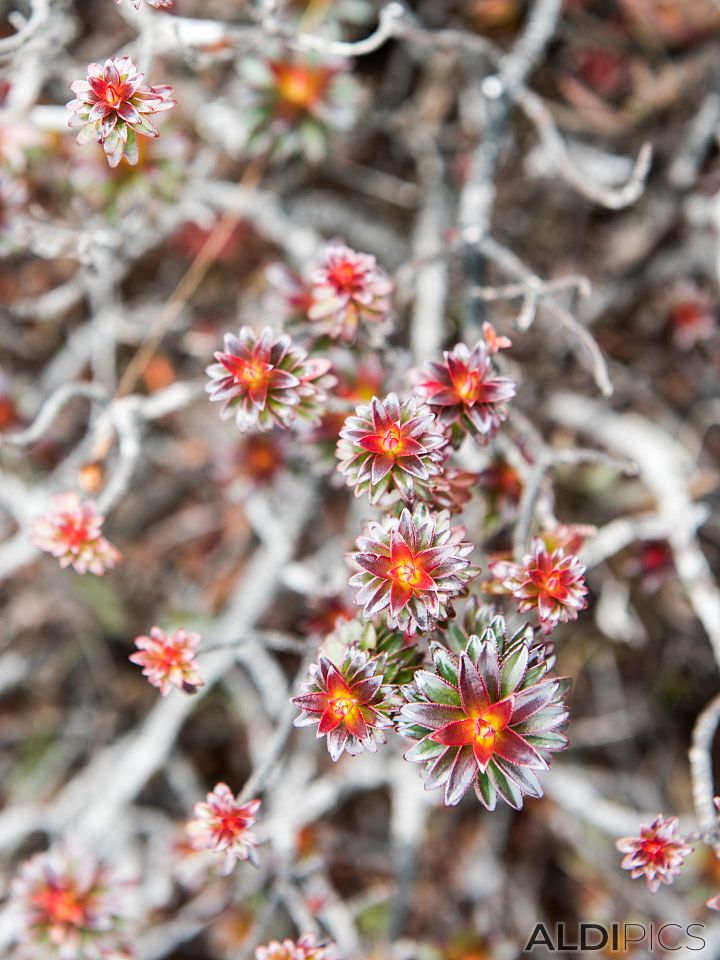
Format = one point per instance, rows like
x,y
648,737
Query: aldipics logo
x,y
571,938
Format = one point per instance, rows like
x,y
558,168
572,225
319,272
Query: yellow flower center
x,y
407,573
111,95
342,706
391,441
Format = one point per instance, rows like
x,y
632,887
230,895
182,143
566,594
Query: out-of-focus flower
x,y
347,703
501,484
72,532
265,381
18,141
169,660
154,180
306,948
551,583
494,341
488,718
692,315
222,824
657,854
71,908
113,105
411,566
465,389
348,288
652,561
257,460
289,297
325,612
451,490
387,444
568,537
294,102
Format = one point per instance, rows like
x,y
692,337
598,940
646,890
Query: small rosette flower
x,y
264,381
293,103
551,583
465,389
388,444
306,948
70,907
72,532
113,105
222,824
487,718
349,703
348,288
657,854
169,660
411,566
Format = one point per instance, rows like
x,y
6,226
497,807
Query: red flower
x,y
72,532
465,389
692,315
484,718
657,854
551,583
169,661
222,825
113,105
265,382
348,288
346,703
387,444
411,566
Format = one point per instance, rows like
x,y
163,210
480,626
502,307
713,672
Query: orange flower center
x,y
251,373
61,905
392,440
467,386
342,706
555,587
112,95
407,573
343,276
299,86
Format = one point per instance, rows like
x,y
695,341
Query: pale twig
x,y
665,469
511,264
390,16
52,407
701,767
614,198
27,30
